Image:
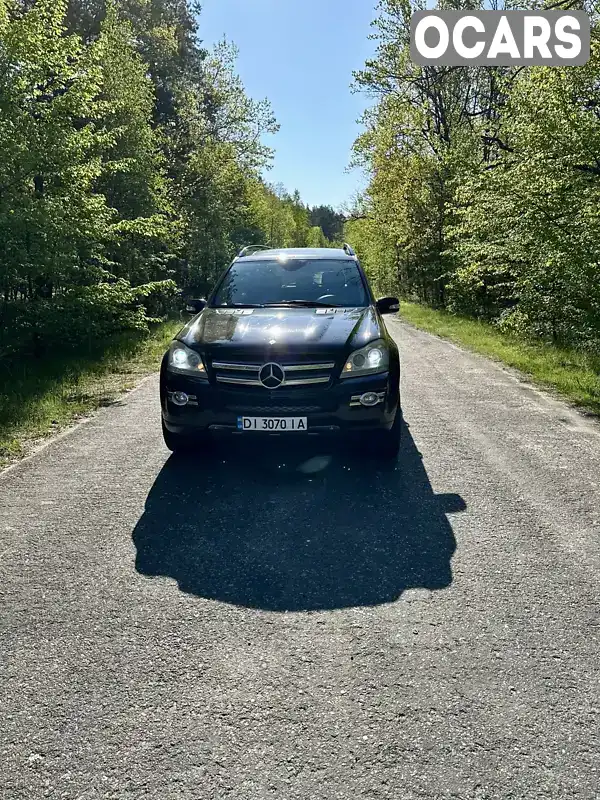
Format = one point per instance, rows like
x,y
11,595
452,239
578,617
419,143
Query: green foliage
x,y
82,314
485,186
130,166
573,373
316,238
40,396
331,222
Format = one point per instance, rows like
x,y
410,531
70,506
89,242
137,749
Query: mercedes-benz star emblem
x,y
271,375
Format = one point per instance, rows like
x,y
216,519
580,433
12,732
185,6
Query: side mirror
x,y
388,305
195,306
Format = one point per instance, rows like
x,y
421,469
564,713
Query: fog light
x,y
180,398
369,399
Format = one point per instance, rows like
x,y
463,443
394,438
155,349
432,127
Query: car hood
x,y
295,329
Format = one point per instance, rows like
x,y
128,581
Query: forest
x,y
484,184
132,166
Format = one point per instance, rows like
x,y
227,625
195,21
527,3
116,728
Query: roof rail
x,y
251,248
347,249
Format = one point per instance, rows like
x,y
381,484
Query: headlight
x,y
185,361
369,360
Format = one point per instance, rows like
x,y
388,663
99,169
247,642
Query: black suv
x,y
290,343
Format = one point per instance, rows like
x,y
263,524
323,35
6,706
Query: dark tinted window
x,y
331,282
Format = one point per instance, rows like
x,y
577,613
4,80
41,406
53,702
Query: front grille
x,y
246,374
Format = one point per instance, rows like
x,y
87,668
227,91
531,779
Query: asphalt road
x,y
251,625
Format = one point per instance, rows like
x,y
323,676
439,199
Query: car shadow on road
x,y
297,529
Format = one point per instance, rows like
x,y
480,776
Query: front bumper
x,y
330,410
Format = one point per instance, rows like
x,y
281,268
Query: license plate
x,y
272,424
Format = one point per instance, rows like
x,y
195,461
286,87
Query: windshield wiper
x,y
301,304
241,305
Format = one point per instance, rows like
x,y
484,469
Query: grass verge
x,y
574,375
40,398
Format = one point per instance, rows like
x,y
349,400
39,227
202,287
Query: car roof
x,y
330,253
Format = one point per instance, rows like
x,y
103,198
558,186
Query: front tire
x,y
385,445
181,442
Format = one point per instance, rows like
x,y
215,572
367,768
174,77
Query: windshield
x,y
302,282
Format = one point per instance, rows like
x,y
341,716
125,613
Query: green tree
x,y
52,223
331,222
483,189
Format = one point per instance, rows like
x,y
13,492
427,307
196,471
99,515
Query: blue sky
x,y
300,54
